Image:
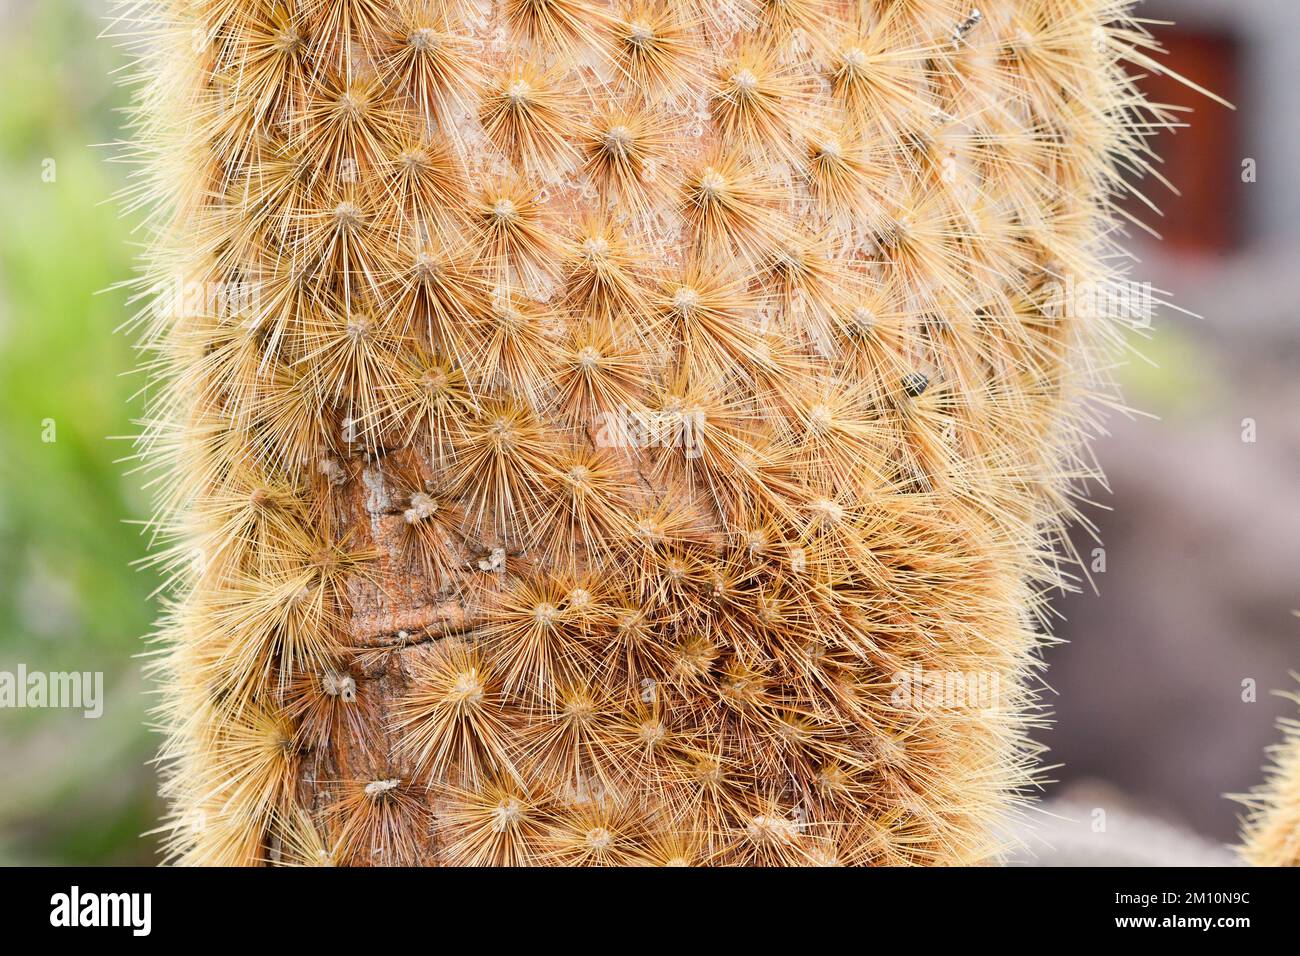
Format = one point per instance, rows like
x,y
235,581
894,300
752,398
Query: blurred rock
x,y
1094,825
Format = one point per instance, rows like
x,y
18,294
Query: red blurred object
x,y
1204,159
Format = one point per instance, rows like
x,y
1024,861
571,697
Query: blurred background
x,y
1201,530
74,790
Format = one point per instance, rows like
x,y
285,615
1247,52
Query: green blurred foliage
x,y
75,790
1170,375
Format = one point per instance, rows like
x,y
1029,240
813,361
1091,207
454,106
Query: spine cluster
x,y
588,432
1271,829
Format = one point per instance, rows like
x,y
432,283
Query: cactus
x,y
1271,830
582,431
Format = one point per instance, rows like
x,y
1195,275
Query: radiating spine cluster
x,y
589,433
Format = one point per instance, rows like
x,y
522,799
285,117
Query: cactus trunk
x,y
613,433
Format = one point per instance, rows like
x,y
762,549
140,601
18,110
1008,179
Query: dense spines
x,y
732,209
1271,829
453,722
525,114
759,103
591,410
378,822
656,54
429,57
626,157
